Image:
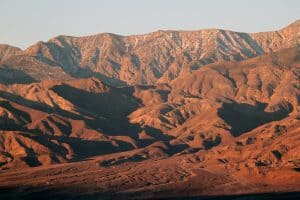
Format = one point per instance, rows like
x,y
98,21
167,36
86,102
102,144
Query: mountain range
x,y
169,113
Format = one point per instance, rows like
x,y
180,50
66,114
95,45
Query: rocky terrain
x,y
162,115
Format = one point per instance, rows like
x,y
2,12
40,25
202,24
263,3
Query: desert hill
x,y
135,116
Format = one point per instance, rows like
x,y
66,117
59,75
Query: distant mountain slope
x,y
144,59
212,94
6,51
169,113
211,106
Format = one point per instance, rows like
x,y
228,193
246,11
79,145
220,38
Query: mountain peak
x,y
295,24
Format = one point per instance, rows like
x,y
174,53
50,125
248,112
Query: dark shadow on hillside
x,y
83,149
157,134
12,76
85,72
38,106
105,112
21,117
108,110
245,117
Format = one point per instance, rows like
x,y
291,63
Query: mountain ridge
x,y
168,114
295,24
144,59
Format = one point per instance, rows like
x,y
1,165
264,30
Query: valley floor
x,y
177,177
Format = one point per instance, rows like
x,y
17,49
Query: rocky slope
x,y
152,112
145,59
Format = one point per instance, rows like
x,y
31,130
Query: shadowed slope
x,y
244,117
11,76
